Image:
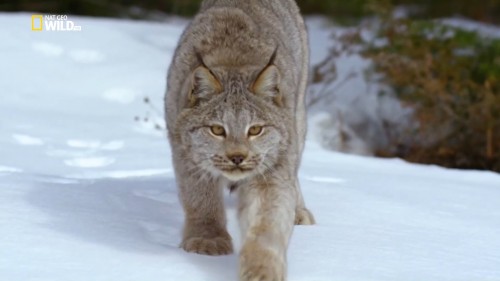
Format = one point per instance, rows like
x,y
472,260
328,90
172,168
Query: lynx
x,y
236,118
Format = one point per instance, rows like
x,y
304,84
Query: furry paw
x,y
304,217
208,246
260,265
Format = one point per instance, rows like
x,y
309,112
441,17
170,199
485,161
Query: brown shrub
x,y
452,78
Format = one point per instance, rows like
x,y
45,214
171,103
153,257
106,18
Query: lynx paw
x,y
260,265
208,246
304,217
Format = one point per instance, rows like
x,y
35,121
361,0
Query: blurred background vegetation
x,y
342,10
450,77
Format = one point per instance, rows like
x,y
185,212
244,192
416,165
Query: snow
x,y
87,193
26,140
356,114
486,30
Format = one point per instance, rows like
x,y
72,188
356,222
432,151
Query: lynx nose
x,y
237,158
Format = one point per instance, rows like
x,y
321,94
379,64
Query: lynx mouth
x,y
236,173
237,169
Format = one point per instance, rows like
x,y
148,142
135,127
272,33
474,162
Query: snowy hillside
x,y
87,193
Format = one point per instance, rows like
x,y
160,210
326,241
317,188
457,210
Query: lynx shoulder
x,y
236,117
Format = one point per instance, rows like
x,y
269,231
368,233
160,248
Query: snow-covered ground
x,y
87,193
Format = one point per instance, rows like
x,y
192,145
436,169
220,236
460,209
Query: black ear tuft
x,y
266,85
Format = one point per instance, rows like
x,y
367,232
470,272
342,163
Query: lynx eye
x,y
255,130
218,130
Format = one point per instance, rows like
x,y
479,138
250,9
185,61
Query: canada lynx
x,y
236,117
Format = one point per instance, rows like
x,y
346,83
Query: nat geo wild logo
x,y
53,23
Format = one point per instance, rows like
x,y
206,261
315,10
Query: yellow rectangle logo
x,y
36,22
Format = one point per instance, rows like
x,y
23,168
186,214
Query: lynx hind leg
x,y
205,219
302,215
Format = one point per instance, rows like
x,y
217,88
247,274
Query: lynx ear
x,y
267,84
203,85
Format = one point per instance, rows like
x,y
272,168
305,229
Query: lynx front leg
x,y
205,219
266,215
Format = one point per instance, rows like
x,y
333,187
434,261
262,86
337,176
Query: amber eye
x,y
255,130
218,130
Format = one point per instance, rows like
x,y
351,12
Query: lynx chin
x,y
236,118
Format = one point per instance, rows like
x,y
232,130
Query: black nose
x,y
237,159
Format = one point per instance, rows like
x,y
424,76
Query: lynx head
x,y
234,123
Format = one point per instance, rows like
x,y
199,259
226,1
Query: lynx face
x,y
234,139
232,130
